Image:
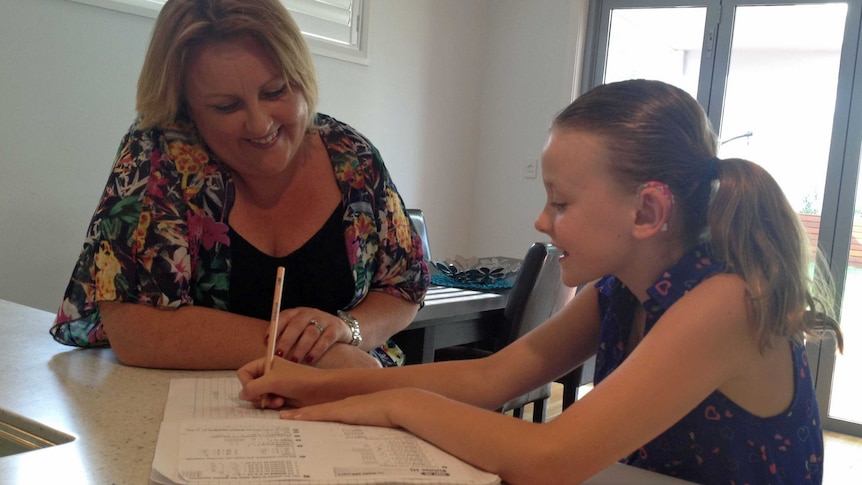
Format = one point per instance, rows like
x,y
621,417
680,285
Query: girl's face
x,y
587,216
244,108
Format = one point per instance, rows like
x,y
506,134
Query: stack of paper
x,y
208,436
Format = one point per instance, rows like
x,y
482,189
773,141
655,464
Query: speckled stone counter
x,y
112,410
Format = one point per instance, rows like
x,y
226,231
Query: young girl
x,y
699,304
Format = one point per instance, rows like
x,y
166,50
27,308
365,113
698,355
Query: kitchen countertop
x,y
112,410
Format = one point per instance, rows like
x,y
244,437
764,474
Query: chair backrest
x,y
538,291
417,217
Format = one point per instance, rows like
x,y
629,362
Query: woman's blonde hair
x,y
184,25
659,132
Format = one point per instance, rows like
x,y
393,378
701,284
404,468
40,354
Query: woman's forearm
x,y
190,337
381,316
194,337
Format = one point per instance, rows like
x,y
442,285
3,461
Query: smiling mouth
x,y
267,139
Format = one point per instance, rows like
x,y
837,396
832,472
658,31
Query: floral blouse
x,y
159,235
718,442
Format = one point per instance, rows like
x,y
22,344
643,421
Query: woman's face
x,y
244,108
587,216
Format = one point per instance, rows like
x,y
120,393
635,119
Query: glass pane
x,y
778,111
656,43
780,95
845,402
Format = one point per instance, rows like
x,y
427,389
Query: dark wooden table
x,y
452,316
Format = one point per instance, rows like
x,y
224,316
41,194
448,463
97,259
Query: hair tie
x,y
710,173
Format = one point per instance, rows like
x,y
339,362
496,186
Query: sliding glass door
x,y
777,80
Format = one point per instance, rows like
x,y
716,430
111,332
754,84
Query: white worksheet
x,y
209,436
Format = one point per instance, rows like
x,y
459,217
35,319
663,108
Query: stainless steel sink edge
x,y
19,434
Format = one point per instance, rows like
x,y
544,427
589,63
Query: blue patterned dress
x,y
718,442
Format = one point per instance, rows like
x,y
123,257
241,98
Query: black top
x,y
316,275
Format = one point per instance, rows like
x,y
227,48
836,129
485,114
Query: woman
x,y
697,311
227,174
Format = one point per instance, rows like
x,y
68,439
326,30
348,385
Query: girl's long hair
x,y
659,132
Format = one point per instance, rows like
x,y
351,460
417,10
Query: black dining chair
x,y
417,217
577,377
538,293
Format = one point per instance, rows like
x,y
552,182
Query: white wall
x,y
533,48
457,97
67,83
418,101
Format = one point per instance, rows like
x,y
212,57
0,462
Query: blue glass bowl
x,y
478,271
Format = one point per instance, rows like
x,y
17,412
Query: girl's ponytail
x,y
753,228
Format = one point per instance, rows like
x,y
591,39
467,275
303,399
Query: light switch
x,y
531,169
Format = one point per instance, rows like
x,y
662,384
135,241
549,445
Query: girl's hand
x,y
284,383
367,409
305,334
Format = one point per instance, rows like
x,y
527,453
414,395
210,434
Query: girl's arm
x,y
558,345
702,343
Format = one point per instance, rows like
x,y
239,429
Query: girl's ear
x,y
655,202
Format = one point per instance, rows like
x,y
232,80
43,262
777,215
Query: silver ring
x,y
316,324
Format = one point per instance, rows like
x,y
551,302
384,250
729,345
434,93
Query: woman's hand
x,y
305,334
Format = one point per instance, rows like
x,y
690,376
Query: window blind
x,y
333,20
333,27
